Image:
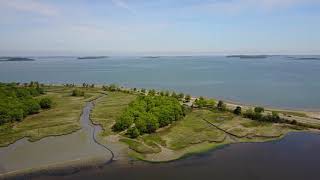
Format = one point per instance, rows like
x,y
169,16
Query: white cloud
x,y
123,5
237,6
32,6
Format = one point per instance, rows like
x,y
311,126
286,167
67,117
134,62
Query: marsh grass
x,y
109,108
140,147
62,118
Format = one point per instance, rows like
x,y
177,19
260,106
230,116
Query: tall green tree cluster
x,y
16,102
148,113
202,102
256,114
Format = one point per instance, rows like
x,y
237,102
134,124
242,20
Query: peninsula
x,y
149,125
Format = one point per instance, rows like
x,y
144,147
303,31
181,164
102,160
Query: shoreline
x,y
74,166
209,146
57,169
184,153
227,100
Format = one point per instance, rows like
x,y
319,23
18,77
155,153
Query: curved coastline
x,y
74,166
207,147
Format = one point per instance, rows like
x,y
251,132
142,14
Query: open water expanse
x,y
277,81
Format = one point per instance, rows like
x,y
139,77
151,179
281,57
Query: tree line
x,y
148,113
17,101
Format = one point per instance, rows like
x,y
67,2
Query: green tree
x,y
133,132
188,98
161,93
113,87
201,102
275,116
167,93
259,109
221,106
237,110
181,96
45,103
152,92
16,114
31,106
211,103
174,95
152,123
123,122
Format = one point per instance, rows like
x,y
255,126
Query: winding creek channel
x,y
80,146
294,157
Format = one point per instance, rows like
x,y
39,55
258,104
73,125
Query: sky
x,y
159,27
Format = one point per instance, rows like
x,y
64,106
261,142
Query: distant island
x,y
15,59
248,56
304,58
154,57
93,57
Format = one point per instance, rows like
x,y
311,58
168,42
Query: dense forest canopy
x,y
17,101
148,113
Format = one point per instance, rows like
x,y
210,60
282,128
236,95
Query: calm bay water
x,y
276,81
295,157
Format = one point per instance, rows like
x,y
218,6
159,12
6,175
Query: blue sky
x,y
124,27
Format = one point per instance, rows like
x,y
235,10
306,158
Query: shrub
x,y
201,102
162,93
133,132
211,103
181,96
174,95
294,122
167,93
45,103
112,87
124,122
237,110
188,98
77,92
252,115
31,106
221,106
152,92
259,109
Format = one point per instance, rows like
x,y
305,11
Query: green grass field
x,y
192,135
109,108
62,118
198,131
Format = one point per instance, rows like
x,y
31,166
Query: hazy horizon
x,y
140,27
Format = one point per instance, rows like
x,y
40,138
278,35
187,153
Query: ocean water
x,y
276,81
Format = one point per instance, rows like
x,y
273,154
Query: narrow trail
x,y
250,135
